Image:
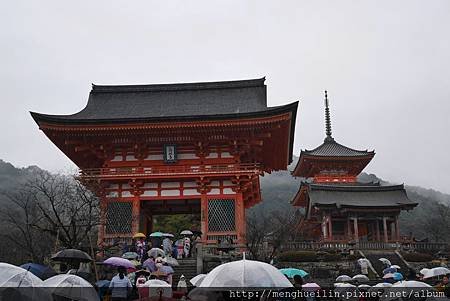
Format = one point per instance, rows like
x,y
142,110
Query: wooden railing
x,y
170,170
363,245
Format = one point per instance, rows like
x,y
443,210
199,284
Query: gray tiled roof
x,y
171,101
330,148
373,195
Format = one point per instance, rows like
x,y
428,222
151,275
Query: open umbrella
x,y
149,264
157,234
245,273
186,232
197,279
119,262
439,271
394,266
344,278
71,287
41,271
159,288
12,281
389,270
411,284
139,235
167,269
360,278
310,287
72,255
424,271
364,286
388,275
154,252
398,276
291,272
130,255
168,235
385,261
171,261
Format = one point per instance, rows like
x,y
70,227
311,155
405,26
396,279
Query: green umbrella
x,y
291,272
157,234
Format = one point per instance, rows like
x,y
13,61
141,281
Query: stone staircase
x,y
187,267
373,256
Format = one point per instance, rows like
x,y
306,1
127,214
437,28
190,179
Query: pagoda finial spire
x,y
327,119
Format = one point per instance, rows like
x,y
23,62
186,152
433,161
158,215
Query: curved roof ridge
x,y
179,86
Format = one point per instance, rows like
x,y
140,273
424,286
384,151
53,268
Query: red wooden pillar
x,y
204,216
240,218
136,213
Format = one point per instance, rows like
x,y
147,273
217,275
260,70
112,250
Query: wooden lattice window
x,y
221,215
118,217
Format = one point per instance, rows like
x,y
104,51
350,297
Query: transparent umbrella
x,y
343,278
439,271
360,278
71,287
158,288
195,281
19,284
245,273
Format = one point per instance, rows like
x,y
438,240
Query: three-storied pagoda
x,y
337,206
176,148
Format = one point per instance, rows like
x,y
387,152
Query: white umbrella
x,y
72,287
197,279
245,273
411,284
168,235
344,278
158,288
424,271
186,232
13,278
383,284
171,261
397,267
385,261
310,287
361,278
154,252
344,285
364,286
439,271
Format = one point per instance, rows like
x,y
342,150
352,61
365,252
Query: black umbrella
x,y
72,255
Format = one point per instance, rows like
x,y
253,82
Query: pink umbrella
x,y
119,262
388,275
311,287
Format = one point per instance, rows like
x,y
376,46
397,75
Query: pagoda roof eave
x,y
301,171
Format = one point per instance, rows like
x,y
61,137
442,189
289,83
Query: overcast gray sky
x,y
386,65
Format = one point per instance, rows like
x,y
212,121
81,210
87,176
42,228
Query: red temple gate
x,y
176,148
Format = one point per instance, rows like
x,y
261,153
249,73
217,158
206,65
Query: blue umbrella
x,y
398,276
291,272
39,270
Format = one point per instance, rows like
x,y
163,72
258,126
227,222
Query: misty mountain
x,y
278,189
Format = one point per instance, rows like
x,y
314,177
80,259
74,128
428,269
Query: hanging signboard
x,y
170,153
